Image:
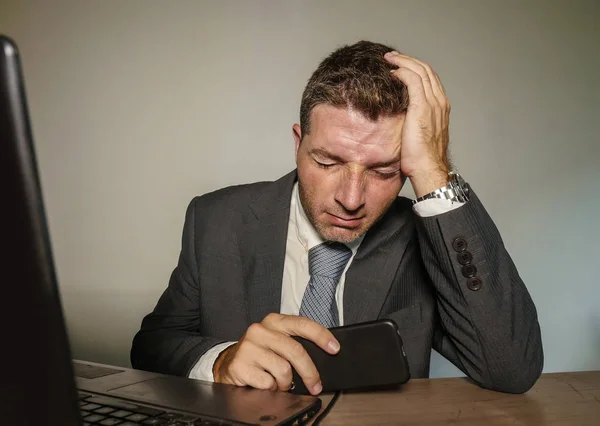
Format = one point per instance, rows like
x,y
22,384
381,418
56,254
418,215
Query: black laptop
x,y
39,383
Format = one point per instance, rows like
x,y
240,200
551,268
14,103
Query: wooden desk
x,y
557,399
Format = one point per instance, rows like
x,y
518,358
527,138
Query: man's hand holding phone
x,y
265,355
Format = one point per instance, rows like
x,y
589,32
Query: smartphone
x,y
371,354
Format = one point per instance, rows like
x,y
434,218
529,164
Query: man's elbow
x,y
520,377
516,386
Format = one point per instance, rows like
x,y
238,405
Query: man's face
x,y
348,170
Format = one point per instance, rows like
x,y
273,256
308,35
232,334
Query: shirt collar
x,y
305,231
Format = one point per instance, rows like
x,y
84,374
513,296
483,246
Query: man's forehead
x,y
344,133
332,122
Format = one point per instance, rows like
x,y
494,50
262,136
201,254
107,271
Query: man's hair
x,y
357,77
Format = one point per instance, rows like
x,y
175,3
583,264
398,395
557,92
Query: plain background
x,y
138,106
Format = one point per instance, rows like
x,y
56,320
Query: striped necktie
x,y
326,262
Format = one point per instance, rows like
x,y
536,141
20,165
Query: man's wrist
x,y
456,190
427,182
218,361
203,369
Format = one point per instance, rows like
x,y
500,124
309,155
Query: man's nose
x,y
351,191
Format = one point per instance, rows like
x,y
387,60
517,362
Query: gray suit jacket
x,y
410,269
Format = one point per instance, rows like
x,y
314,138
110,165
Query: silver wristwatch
x,y
456,190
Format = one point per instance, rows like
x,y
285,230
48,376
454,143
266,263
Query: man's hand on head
x,y
264,356
425,138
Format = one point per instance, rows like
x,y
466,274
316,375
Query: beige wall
x,y
137,106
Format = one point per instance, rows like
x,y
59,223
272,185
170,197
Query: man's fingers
x,y
282,345
242,368
439,87
436,83
293,325
258,378
432,84
414,85
406,62
279,368
255,366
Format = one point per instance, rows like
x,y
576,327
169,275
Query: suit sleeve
x,y
488,323
169,340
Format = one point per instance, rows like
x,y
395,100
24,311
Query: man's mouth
x,y
345,221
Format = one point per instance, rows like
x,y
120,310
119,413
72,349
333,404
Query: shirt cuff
x,y
435,206
203,370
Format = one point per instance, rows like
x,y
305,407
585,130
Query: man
x,y
332,244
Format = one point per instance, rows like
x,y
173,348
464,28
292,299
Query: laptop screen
x,y
36,384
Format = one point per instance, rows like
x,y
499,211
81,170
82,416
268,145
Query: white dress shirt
x,y
301,237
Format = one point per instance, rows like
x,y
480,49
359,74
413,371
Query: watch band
x,y
456,190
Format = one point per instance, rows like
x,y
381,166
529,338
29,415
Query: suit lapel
x,y
264,245
372,272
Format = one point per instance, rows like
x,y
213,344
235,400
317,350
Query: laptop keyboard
x,y
106,411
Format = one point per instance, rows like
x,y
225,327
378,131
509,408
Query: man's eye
x,y
387,175
324,165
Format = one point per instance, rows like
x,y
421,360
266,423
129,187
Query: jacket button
x,y
459,244
464,258
474,283
469,271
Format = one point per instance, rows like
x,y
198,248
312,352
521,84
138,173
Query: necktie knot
x,y
328,260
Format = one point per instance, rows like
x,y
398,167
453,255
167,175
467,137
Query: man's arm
x,y
169,340
488,322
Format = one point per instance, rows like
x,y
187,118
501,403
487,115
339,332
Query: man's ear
x,y
297,131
